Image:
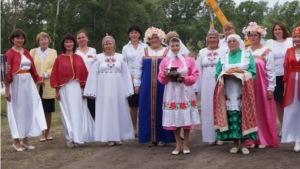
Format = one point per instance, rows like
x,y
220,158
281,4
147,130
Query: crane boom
x,y
217,10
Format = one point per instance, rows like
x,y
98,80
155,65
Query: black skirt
x,y
133,100
278,93
48,104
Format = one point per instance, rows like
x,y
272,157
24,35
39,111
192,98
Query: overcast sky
x,y
270,4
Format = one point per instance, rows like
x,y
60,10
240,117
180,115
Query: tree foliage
x,y
190,18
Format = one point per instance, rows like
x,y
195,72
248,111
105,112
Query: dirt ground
x,y
56,155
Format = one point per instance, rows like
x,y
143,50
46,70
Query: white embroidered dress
x,y
25,110
109,81
206,64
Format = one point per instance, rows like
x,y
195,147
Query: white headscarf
x,y
238,38
180,54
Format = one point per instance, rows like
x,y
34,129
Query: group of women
x,y
236,86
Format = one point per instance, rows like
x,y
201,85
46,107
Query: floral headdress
x,y
253,27
151,31
296,31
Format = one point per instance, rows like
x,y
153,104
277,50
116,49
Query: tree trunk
x,y
55,23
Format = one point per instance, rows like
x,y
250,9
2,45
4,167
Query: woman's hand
x,y
270,94
57,96
8,68
41,83
7,94
166,72
137,89
91,97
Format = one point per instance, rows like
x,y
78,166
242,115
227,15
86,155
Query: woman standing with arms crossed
x,y
88,54
291,103
278,45
130,51
206,64
68,77
44,58
24,107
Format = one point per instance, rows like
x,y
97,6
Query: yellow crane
x,y
214,6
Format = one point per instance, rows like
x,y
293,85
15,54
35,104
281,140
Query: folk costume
x,y
88,58
206,64
291,103
151,92
25,110
69,74
109,82
179,101
265,81
234,105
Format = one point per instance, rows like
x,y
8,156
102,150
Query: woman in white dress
x,y
109,82
179,101
130,51
206,64
24,107
68,77
88,54
291,102
278,45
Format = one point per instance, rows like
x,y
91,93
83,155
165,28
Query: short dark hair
x,y
283,28
135,27
71,37
17,33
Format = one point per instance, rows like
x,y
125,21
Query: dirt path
x,y
55,155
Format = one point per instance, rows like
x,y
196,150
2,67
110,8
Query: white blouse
x,y
88,58
271,77
130,54
279,49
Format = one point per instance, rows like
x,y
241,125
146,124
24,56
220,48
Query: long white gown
x,y
109,81
78,123
206,64
25,110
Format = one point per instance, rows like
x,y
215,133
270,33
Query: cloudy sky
x,y
270,4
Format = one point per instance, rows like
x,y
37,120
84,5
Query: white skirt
x,y
78,123
291,119
25,110
179,106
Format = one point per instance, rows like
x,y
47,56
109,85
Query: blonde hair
x,y
228,25
42,35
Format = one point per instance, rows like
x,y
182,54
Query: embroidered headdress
x,y
253,27
108,39
151,31
212,33
296,31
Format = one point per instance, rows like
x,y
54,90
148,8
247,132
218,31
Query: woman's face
x,y
69,45
212,41
175,47
134,35
82,39
18,41
43,42
109,47
278,33
254,38
154,41
296,40
233,44
228,32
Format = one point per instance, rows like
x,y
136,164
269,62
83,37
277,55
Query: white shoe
x,y
27,147
71,144
219,142
111,143
161,144
245,151
176,152
119,143
234,150
211,143
262,146
186,151
297,146
17,149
